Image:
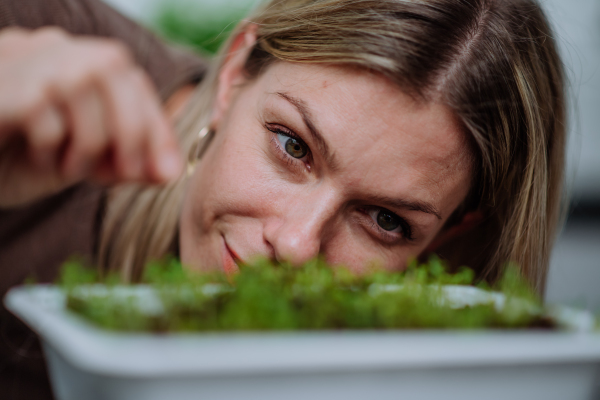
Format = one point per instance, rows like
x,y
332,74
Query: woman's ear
x,y
231,74
469,221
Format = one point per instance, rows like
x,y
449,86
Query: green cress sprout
x,y
266,296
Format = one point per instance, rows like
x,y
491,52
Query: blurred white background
x,y
575,270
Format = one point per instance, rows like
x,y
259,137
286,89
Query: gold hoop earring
x,y
199,148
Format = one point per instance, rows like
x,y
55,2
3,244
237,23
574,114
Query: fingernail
x,y
170,166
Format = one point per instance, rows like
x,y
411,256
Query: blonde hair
x,y
494,63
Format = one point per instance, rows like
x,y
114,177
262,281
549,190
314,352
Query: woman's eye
x,y
387,220
293,146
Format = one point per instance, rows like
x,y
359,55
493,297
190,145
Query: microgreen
x,y
269,296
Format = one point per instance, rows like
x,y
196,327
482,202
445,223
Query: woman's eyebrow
x,y
302,108
413,205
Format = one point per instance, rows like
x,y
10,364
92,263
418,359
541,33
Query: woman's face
x,y
310,159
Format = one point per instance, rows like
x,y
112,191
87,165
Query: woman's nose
x,y
298,231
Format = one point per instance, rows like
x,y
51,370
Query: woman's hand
x,y
76,108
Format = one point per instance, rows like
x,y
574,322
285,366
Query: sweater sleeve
x,y
168,67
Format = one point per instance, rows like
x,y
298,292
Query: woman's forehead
x,y
378,135
363,105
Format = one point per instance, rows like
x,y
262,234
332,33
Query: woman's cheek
x,y
345,246
352,248
237,178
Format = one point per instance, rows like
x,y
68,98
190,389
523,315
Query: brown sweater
x,y
36,239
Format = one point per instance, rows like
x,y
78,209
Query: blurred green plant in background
x,y
200,25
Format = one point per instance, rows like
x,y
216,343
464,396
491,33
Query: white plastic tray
x,y
89,363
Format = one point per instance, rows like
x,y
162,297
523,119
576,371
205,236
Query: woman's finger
x,y
45,131
163,157
166,158
91,61
88,139
128,124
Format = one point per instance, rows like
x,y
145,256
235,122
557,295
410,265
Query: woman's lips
x,y
231,260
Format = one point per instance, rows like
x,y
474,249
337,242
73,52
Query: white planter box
x,y
87,363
